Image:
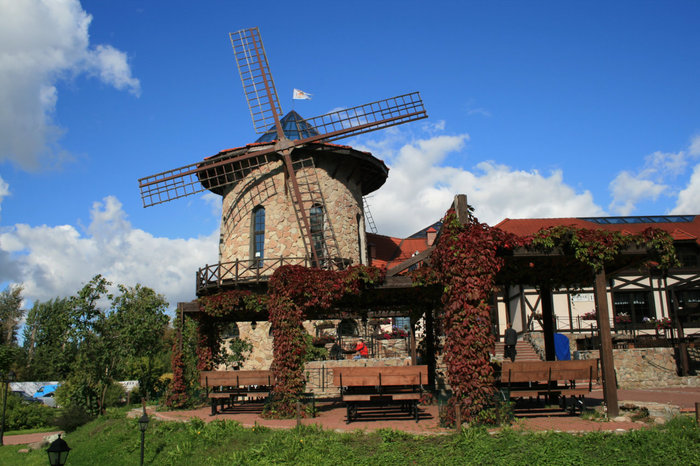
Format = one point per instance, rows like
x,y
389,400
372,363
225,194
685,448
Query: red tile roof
x,y
679,231
390,251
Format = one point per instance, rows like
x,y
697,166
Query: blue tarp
x,y
561,347
45,390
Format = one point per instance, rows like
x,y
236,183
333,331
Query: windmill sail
x,y
195,178
265,110
258,86
368,117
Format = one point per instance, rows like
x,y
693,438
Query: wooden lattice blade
x,y
365,118
198,177
258,86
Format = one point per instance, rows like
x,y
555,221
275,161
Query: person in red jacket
x,y
361,349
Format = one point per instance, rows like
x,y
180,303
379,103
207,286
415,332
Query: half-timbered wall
x,y
523,307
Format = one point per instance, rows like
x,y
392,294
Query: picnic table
x,y
553,380
372,387
236,386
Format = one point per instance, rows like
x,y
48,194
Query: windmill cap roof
x,y
294,127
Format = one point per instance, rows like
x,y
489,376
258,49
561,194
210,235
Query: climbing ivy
x,y
227,303
595,248
295,294
466,260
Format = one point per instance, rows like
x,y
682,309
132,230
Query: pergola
x,y
398,296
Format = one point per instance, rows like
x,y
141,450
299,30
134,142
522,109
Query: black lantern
x,y
143,422
58,452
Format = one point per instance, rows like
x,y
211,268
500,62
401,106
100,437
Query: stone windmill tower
x,y
291,197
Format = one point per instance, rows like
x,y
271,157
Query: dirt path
x,y
23,439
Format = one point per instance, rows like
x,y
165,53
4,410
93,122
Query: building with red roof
x,y
638,301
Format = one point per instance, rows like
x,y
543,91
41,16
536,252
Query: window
x,y
230,331
347,328
402,323
687,255
316,222
635,304
257,249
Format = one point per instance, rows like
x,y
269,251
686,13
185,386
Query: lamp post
x,y
143,425
58,452
8,377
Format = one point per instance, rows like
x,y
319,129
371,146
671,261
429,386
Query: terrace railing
x,y
243,271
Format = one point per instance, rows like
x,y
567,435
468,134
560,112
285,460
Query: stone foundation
x,y
634,367
319,374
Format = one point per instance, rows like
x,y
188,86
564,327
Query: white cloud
x,y
112,66
4,191
56,261
694,148
419,190
689,198
660,174
42,42
628,189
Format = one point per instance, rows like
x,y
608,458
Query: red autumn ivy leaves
x,y
466,262
295,292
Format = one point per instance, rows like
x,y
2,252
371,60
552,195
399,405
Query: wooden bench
x,y
232,386
551,379
380,386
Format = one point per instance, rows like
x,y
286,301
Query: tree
x,y
48,342
11,314
97,350
139,322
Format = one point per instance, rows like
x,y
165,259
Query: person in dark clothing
x,y
510,339
336,351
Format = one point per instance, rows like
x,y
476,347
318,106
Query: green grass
x,y
113,439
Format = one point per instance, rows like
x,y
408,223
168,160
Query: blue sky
x,y
537,109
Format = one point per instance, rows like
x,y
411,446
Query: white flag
x,y
301,95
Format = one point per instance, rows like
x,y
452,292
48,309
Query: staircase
x,y
524,351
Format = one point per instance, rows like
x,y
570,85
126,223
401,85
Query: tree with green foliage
x,y
49,348
92,370
100,338
11,314
139,323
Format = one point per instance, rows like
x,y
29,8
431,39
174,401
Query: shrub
x,y
21,414
73,417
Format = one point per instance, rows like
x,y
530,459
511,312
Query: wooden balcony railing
x,y
256,270
252,270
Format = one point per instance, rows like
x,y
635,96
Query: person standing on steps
x,y
510,339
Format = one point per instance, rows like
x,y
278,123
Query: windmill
x,y
217,172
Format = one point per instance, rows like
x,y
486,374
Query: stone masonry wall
x,y
282,234
319,374
645,368
635,367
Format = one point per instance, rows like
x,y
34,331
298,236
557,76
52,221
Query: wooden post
x,y
682,346
547,321
697,413
606,350
430,346
414,359
461,208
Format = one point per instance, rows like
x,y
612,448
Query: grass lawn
x,y
113,439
